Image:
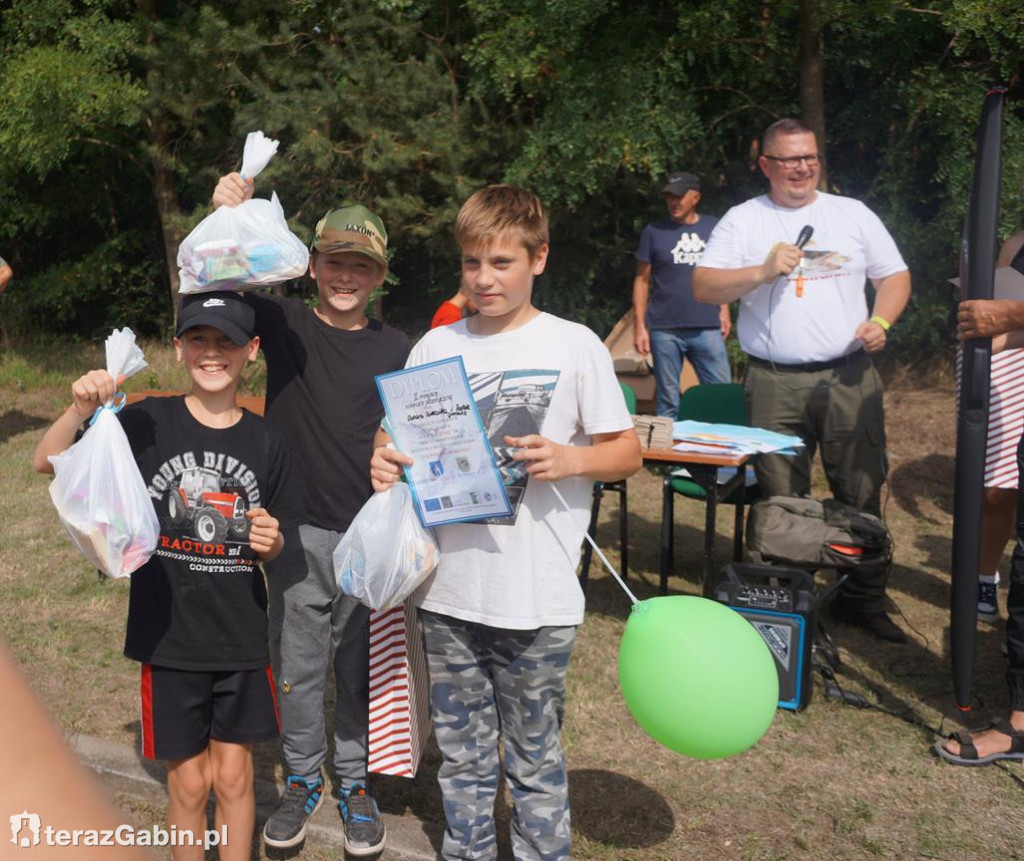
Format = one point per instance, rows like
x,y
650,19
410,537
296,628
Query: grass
x,y
832,782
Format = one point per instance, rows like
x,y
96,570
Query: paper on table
x,y
707,448
732,438
725,475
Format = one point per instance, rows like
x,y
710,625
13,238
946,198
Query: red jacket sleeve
x,y
447,313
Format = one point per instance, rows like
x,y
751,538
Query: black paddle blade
x,y
978,262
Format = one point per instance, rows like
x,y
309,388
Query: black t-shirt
x,y
321,393
200,602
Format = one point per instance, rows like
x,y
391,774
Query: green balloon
x,y
697,676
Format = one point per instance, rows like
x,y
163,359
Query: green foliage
x,y
109,287
620,94
64,79
119,116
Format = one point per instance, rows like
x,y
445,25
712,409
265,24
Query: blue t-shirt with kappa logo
x,y
673,250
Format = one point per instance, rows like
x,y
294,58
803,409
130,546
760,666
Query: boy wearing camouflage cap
x,y
321,363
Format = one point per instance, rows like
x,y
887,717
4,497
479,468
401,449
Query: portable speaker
x,y
782,605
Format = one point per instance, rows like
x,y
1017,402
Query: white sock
x,y
989,578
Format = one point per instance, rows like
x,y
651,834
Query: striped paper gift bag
x,y
399,692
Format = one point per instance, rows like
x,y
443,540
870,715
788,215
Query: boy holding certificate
x,y
500,612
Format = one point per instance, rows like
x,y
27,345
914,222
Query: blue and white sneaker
x,y
364,831
988,597
287,825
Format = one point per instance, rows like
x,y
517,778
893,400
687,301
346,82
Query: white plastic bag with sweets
x,y
97,489
245,246
385,553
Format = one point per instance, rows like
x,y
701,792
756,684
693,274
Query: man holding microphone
x,y
798,259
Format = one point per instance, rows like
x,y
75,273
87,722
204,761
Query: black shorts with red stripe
x,y
183,709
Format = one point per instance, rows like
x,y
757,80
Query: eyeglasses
x,y
792,163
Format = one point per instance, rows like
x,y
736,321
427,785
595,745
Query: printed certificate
x,y
434,419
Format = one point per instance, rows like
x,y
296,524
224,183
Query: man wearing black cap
x,y
668,322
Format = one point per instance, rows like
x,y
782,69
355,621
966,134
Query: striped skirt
x,y
1005,418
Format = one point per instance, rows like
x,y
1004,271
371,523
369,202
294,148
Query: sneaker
x,y
287,825
364,832
876,622
988,599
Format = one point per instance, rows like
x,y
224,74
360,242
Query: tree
x,y
410,105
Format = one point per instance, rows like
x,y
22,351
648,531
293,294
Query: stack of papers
x,y
725,474
707,438
654,431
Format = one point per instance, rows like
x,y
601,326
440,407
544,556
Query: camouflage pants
x,y
485,681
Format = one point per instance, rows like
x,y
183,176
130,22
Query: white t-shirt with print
x,y
523,575
849,245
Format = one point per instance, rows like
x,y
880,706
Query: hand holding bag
x,y
97,489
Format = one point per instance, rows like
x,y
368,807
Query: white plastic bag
x,y
386,553
245,246
97,489
258,150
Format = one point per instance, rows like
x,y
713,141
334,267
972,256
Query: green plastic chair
x,y
720,403
600,488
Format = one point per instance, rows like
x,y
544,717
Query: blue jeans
x,y
705,348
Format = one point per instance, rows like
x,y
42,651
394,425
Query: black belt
x,y
848,359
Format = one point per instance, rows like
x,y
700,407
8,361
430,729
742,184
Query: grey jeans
x,y
311,621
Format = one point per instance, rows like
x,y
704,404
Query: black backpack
x,y
810,533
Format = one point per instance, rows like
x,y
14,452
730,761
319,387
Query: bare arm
x,y
6,275
609,457
891,296
641,294
724,320
995,318
1009,341
986,318
51,782
1010,249
721,286
88,392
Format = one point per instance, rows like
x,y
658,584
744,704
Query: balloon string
x,y
586,534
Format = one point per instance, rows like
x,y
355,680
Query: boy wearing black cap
x,y
668,323
197,610
321,364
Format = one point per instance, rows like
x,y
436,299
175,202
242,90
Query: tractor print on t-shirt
x,y
200,501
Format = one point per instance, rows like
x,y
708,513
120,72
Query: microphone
x,y
805,234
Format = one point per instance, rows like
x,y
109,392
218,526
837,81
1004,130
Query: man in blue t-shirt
x,y
668,322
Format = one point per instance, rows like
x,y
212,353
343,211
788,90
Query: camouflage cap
x,y
352,228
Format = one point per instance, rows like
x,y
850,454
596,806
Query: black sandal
x,y
969,753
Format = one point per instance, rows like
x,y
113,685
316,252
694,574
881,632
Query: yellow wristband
x,y
881,321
